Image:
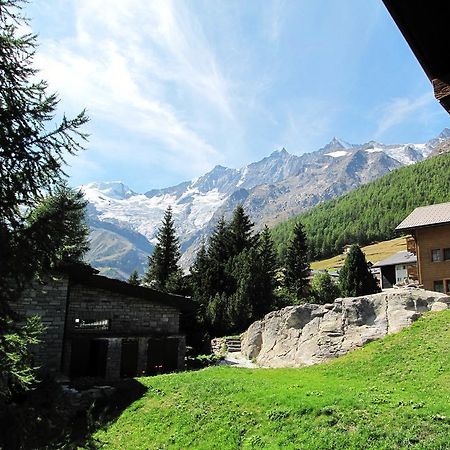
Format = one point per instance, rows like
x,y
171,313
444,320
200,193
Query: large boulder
x,y
308,334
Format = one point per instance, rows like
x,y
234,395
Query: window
x,y
436,255
446,254
92,324
438,286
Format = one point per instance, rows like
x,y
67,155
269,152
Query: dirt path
x,y
236,359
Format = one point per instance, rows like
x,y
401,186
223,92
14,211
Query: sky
x,y
174,88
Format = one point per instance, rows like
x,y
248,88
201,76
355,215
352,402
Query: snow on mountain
x,y
337,154
272,189
109,189
143,213
406,154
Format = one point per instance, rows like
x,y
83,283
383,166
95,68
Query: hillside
x,y
271,190
393,393
371,212
374,253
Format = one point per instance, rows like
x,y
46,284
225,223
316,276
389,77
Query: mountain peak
x,y
337,143
219,168
113,189
444,134
280,153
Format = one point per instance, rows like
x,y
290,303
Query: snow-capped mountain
x,y
124,223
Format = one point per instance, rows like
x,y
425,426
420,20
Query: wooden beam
x,y
441,88
424,26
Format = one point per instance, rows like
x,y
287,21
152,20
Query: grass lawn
x,y
373,252
391,394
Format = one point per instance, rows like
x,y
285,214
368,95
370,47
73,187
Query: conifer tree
x,y
355,278
163,263
217,314
33,147
247,293
218,256
200,281
241,231
32,144
267,268
134,278
296,264
57,228
234,278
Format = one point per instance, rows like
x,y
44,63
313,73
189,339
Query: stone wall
x,y
128,316
57,300
308,334
221,346
47,300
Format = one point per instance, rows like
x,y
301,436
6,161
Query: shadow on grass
x,y
51,417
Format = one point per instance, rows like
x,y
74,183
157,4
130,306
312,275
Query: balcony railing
x,y
411,244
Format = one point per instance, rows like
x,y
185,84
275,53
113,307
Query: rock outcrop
x,y
308,334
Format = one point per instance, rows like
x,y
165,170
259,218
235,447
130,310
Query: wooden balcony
x,y
411,244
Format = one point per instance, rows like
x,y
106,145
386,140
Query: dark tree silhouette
x,y
163,263
355,278
296,264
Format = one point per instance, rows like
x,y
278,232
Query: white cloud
x,y
137,65
308,125
400,110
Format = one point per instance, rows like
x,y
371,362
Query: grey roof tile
x,y
402,257
427,215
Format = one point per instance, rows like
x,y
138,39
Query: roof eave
x,y
415,227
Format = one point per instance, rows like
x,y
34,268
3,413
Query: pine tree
x,y
57,228
296,264
242,302
355,278
200,281
233,289
134,278
33,145
217,314
241,231
267,269
163,263
218,256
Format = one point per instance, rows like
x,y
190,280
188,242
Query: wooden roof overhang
x,y
425,26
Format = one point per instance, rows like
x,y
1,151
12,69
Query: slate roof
x,y
426,216
402,257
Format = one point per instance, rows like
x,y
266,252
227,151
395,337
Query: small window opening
x,y
92,324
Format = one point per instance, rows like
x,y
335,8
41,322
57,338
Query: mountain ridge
x,y
271,190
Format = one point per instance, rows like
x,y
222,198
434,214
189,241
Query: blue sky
x,y
175,87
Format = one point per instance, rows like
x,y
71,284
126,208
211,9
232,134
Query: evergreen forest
x,y
371,212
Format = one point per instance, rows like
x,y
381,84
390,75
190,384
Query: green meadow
x,y
390,394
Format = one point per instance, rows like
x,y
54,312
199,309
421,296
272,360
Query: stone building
x,y
101,327
430,228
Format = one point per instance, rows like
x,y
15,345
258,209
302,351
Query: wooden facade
x,y
433,256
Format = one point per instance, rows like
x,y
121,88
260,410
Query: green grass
x,y
391,394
